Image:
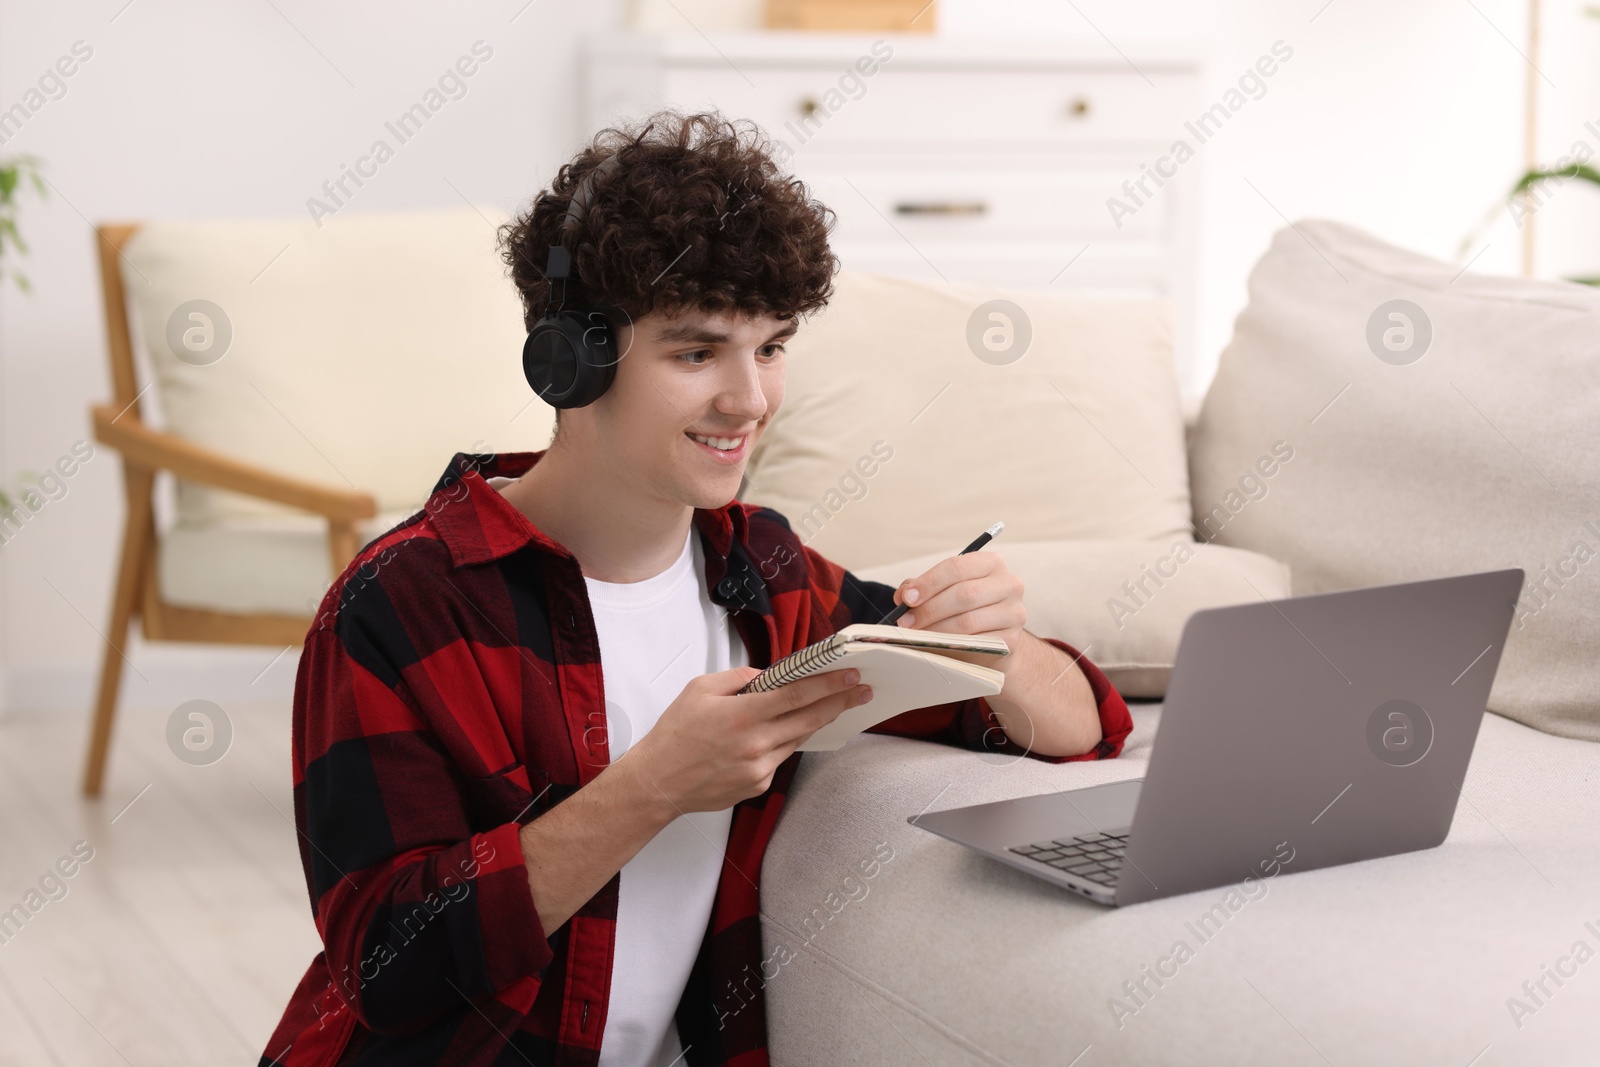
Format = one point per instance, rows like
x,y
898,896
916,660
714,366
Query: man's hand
x,y
710,749
714,747
1047,706
969,594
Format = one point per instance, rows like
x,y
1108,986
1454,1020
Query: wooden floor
x,y
180,941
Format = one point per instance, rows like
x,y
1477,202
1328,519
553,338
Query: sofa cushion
x,y
896,439
364,352
1462,436
1123,604
890,945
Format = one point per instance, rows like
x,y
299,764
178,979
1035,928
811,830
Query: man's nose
x,y
744,395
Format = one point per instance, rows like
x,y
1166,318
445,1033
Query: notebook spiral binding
x,y
796,665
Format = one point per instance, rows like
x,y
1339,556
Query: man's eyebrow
x,y
698,332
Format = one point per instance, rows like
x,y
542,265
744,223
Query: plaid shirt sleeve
x,y
845,598
421,912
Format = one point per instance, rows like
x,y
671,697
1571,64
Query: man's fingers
x,y
935,612
727,683
963,596
797,695
948,572
797,725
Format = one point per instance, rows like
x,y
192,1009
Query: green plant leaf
x,y
1582,172
12,172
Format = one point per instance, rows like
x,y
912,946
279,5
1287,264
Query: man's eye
x,y
776,347
698,352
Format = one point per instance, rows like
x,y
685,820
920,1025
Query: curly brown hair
x,y
695,215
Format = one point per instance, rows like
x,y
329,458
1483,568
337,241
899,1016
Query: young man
x,y
533,807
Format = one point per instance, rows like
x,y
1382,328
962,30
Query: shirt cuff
x,y
515,944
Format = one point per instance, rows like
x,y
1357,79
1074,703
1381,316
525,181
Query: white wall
x,y
1402,118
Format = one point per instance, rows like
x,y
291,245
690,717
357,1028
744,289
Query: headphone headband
x,y
559,262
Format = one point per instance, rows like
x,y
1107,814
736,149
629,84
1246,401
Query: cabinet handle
x,y
941,207
1078,107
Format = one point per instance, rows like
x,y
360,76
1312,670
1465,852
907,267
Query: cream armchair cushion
x,y
364,352
254,563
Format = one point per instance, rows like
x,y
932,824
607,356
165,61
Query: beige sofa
x,y
1464,435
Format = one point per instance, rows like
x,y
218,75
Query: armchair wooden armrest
x,y
152,449
157,450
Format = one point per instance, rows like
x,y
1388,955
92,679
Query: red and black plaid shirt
x,y
449,692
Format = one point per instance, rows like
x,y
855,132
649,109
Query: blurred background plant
x,y
15,171
1538,184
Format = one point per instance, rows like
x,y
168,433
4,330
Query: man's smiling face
x,y
693,393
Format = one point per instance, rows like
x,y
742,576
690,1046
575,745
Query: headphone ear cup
x,y
568,360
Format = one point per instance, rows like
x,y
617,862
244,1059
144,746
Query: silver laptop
x,y
1295,734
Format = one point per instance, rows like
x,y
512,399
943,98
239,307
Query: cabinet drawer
x,y
958,202
1102,271
833,106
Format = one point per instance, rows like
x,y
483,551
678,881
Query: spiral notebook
x,y
903,666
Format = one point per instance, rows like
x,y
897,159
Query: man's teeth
x,y
722,444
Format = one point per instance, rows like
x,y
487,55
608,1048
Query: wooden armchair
x,y
144,451
362,354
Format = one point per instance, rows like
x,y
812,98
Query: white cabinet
x,y
971,159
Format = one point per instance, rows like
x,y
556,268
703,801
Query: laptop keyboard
x,y
1095,856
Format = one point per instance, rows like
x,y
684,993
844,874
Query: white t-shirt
x,y
655,636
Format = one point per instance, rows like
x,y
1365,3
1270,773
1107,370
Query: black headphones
x,y
570,355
